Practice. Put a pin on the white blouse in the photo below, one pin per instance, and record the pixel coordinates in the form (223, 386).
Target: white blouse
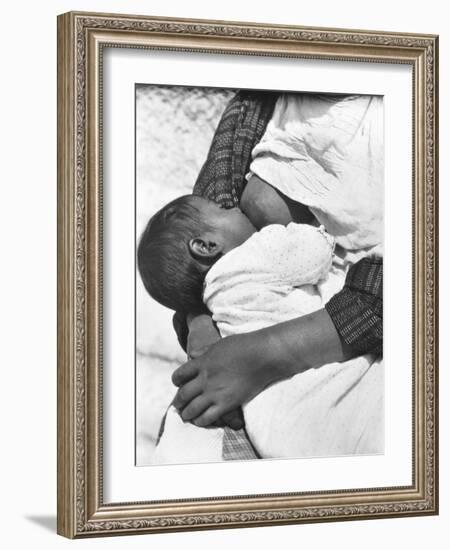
(327, 152)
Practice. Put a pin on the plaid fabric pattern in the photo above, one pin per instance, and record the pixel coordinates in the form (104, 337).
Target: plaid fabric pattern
(357, 311)
(222, 177)
(237, 446)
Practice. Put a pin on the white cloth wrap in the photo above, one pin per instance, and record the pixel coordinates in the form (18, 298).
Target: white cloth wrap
(278, 274)
(269, 279)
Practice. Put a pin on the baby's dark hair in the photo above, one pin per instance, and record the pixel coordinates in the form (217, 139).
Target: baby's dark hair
(169, 273)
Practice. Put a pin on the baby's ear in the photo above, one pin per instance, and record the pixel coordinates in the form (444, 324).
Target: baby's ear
(204, 249)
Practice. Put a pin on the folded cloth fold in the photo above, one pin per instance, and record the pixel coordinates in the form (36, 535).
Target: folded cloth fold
(326, 152)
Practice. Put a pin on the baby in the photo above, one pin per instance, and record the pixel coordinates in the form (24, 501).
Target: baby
(195, 255)
(183, 241)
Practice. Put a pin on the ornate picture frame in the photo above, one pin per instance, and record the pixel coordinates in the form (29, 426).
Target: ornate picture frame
(82, 38)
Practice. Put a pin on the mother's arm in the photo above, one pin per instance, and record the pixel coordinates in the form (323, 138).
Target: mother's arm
(235, 369)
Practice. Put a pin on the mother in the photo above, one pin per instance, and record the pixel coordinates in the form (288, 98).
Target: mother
(226, 373)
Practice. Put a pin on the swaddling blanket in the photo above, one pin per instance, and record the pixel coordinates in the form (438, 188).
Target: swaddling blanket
(269, 279)
(278, 274)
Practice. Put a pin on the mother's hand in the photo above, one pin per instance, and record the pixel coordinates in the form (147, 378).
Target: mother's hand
(203, 333)
(228, 374)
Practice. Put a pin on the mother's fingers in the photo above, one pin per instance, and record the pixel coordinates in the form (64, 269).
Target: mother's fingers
(184, 373)
(187, 393)
(234, 419)
(208, 417)
(195, 408)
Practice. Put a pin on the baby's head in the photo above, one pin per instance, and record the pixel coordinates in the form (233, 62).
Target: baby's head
(179, 245)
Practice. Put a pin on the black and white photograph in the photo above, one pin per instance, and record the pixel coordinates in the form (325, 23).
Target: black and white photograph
(247, 274)
(259, 275)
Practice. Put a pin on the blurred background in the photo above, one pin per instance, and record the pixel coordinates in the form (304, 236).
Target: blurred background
(174, 129)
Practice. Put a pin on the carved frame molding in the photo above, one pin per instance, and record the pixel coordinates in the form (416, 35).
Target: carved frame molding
(81, 38)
